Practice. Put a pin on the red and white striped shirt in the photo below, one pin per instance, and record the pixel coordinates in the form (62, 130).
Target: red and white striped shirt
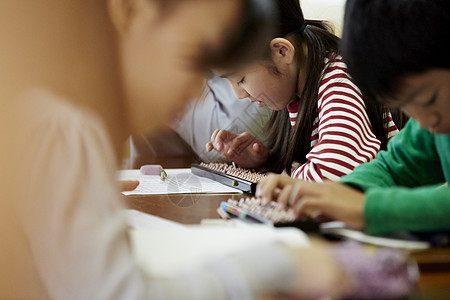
(342, 136)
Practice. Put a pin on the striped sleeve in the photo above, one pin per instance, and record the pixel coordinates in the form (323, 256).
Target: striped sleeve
(342, 136)
(392, 128)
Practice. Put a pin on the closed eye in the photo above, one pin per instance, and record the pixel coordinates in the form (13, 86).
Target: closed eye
(241, 81)
(431, 101)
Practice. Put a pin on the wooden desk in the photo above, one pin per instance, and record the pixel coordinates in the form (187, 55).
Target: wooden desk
(434, 282)
(186, 209)
(434, 264)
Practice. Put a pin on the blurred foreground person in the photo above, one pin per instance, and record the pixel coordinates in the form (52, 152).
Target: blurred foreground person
(77, 78)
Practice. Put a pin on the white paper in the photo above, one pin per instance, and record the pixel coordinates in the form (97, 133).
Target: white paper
(374, 240)
(178, 181)
(140, 220)
(167, 252)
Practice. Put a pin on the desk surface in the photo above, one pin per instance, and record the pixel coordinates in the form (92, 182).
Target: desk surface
(434, 264)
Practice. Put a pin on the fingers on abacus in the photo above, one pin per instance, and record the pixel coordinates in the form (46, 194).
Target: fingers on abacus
(284, 195)
(220, 139)
(256, 147)
(265, 188)
(209, 147)
(299, 208)
(307, 206)
(240, 143)
(247, 137)
(270, 196)
(259, 148)
(296, 194)
(225, 136)
(214, 134)
(280, 180)
(313, 188)
(261, 185)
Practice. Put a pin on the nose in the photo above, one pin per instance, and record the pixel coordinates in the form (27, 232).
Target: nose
(427, 119)
(430, 121)
(239, 92)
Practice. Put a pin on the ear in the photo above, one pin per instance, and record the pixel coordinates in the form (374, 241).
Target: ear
(123, 12)
(282, 51)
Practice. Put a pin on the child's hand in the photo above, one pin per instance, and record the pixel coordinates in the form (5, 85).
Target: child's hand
(320, 275)
(275, 188)
(243, 149)
(128, 185)
(329, 199)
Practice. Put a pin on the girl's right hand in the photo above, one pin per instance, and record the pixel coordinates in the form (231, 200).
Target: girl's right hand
(243, 149)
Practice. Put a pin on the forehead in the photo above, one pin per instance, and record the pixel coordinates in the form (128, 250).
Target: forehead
(433, 77)
(208, 20)
(242, 70)
(415, 86)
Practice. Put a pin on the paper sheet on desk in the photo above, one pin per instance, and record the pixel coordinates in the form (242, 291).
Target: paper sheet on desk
(167, 252)
(179, 181)
(141, 221)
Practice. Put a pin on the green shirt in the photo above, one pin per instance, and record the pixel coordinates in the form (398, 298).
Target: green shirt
(404, 185)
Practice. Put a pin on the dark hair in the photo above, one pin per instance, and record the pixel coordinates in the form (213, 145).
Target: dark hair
(242, 44)
(254, 27)
(383, 41)
(289, 145)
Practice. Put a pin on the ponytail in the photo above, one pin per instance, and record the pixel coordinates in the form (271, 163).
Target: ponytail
(289, 145)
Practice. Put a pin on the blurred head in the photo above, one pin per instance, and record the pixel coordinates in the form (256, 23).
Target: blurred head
(397, 53)
(167, 47)
(278, 77)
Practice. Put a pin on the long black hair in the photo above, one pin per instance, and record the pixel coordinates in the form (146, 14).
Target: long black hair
(288, 145)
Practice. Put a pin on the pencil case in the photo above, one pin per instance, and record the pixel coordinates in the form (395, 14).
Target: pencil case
(229, 175)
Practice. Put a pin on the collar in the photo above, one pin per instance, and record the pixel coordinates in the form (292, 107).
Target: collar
(293, 105)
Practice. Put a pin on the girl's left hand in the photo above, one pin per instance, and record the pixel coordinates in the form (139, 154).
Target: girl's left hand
(330, 199)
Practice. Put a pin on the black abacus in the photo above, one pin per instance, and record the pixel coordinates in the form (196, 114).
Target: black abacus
(251, 210)
(230, 175)
(271, 212)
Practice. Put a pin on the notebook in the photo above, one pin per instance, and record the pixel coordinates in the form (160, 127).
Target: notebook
(168, 252)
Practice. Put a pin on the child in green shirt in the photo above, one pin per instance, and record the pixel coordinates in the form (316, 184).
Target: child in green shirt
(396, 53)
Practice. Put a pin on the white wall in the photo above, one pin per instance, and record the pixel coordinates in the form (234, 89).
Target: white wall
(329, 10)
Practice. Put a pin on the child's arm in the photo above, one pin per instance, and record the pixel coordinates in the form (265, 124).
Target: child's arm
(392, 201)
(380, 210)
(402, 184)
(413, 209)
(411, 160)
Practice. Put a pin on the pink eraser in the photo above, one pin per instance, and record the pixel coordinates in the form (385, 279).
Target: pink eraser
(151, 169)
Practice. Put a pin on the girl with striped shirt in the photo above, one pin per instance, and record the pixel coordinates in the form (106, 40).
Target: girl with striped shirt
(321, 126)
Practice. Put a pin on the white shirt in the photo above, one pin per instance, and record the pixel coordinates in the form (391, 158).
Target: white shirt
(63, 232)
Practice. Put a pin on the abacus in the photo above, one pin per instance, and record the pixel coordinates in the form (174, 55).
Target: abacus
(230, 175)
(251, 210)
